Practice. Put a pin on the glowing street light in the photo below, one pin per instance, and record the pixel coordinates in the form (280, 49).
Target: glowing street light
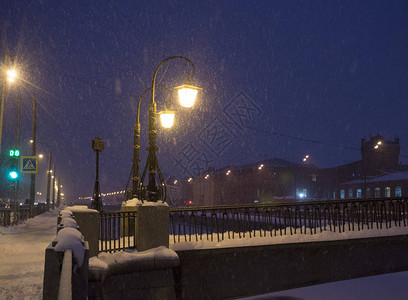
(11, 75)
(167, 118)
(378, 145)
(187, 94)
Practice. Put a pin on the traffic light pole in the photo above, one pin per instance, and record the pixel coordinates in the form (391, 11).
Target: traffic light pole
(33, 153)
(17, 141)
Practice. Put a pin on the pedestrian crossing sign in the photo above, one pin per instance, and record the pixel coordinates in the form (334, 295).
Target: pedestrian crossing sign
(29, 164)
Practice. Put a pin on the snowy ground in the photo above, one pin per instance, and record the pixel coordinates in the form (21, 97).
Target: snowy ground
(22, 250)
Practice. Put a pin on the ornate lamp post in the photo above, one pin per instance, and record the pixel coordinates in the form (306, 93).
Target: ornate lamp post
(187, 94)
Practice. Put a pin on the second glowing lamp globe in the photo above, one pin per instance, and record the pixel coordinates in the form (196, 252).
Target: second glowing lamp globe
(187, 95)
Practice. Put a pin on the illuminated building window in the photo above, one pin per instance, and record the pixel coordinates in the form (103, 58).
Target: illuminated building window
(314, 177)
(398, 191)
(350, 193)
(358, 194)
(377, 192)
(387, 192)
(342, 194)
(301, 193)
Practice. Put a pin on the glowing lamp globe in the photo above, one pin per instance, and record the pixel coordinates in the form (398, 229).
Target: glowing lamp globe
(187, 94)
(11, 75)
(167, 118)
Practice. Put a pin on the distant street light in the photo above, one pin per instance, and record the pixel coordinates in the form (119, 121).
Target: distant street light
(187, 95)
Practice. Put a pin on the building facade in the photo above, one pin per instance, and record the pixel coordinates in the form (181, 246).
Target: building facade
(377, 174)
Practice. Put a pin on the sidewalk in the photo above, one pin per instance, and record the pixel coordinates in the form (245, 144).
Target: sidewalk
(22, 256)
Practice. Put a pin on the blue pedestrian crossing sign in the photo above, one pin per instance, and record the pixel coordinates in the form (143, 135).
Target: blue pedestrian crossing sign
(29, 164)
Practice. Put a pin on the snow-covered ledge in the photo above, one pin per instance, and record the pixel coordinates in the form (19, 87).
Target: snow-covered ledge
(138, 275)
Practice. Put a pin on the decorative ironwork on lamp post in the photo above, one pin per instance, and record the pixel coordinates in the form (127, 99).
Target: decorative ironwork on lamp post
(187, 94)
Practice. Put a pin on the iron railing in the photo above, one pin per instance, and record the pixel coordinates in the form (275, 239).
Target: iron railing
(117, 230)
(5, 217)
(8, 216)
(229, 222)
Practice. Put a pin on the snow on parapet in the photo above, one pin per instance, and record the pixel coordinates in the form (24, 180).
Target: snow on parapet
(69, 222)
(66, 213)
(70, 238)
(104, 261)
(79, 208)
(132, 202)
(151, 203)
(306, 236)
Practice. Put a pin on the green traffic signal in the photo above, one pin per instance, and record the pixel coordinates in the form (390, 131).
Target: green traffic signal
(14, 153)
(13, 173)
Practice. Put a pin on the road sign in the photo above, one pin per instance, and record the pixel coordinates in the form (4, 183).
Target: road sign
(29, 164)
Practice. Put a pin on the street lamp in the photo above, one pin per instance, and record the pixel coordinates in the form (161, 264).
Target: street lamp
(7, 76)
(187, 95)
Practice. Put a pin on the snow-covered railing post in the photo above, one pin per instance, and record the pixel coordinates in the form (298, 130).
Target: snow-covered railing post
(88, 221)
(152, 223)
(68, 238)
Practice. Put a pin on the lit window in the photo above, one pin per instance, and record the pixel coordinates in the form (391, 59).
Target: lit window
(358, 194)
(387, 192)
(334, 195)
(342, 194)
(301, 193)
(350, 193)
(377, 192)
(398, 191)
(314, 178)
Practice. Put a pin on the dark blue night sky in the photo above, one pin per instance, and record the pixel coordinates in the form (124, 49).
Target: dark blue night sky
(279, 78)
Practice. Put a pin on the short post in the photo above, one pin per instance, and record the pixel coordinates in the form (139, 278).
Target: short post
(88, 222)
(152, 226)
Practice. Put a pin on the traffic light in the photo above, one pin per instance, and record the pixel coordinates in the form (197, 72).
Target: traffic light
(14, 153)
(13, 173)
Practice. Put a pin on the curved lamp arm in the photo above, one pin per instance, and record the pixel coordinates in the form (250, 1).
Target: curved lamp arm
(158, 67)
